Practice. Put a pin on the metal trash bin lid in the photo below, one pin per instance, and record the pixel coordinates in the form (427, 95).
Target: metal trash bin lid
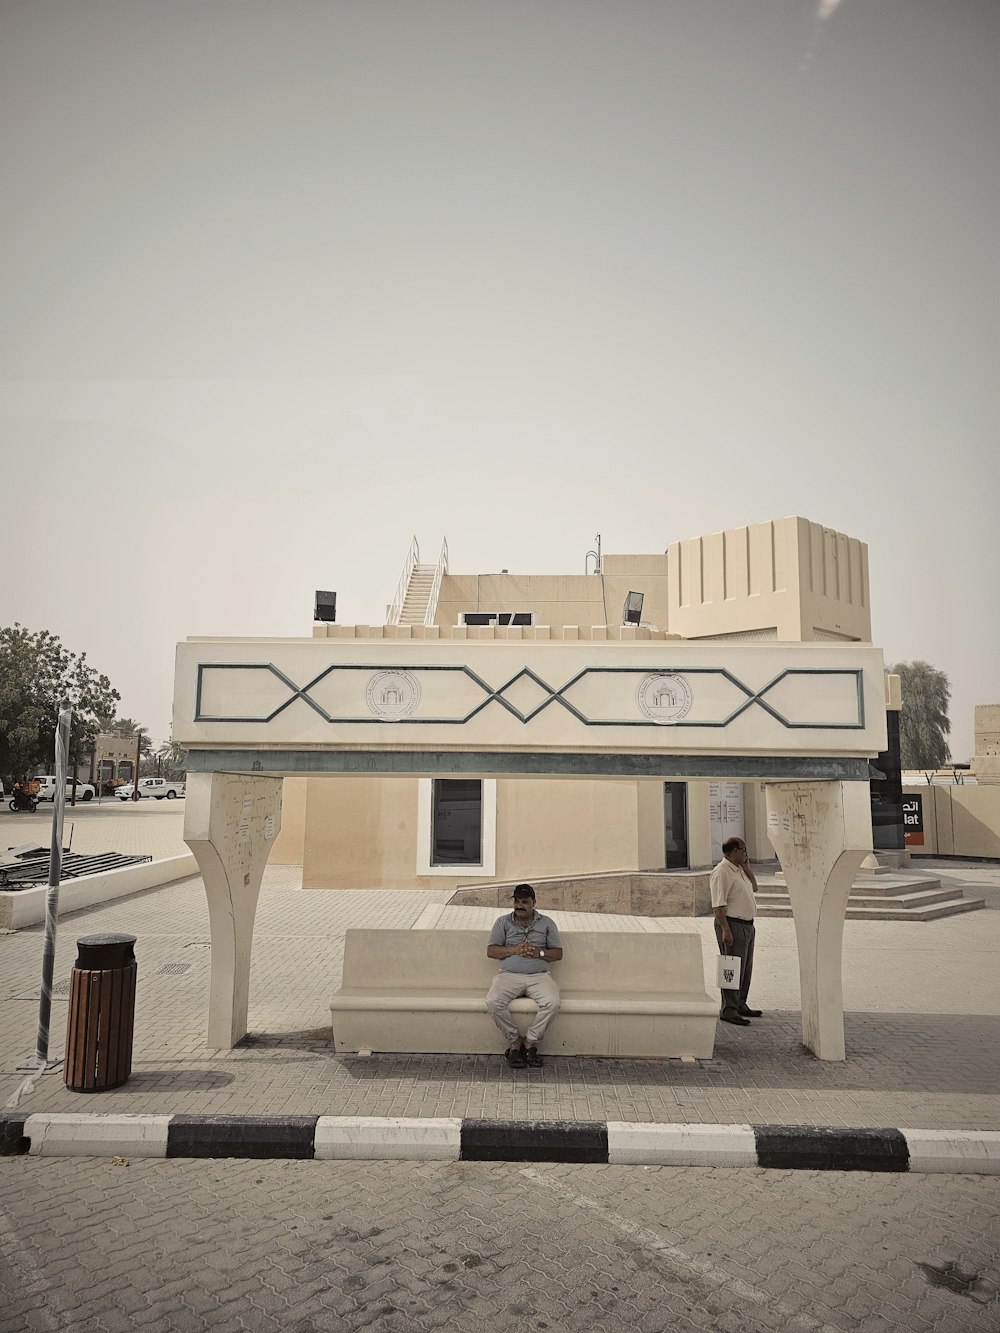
(98, 953)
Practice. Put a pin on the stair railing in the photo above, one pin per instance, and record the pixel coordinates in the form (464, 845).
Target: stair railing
(439, 573)
(409, 565)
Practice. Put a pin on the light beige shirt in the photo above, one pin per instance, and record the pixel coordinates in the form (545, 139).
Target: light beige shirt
(731, 890)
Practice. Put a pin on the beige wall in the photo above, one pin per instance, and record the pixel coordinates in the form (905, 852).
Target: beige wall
(650, 850)
(833, 584)
(362, 832)
(699, 828)
(549, 827)
(562, 599)
(788, 579)
(959, 821)
(755, 814)
(288, 846)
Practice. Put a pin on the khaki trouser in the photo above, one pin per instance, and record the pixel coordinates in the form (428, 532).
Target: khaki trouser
(509, 986)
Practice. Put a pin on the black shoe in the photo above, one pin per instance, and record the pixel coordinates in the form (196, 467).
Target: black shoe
(752, 1013)
(515, 1057)
(533, 1058)
(737, 1019)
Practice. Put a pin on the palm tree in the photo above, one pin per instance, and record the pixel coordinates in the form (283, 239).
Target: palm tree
(172, 759)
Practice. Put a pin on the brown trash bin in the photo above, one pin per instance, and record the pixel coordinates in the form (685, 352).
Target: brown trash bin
(101, 1013)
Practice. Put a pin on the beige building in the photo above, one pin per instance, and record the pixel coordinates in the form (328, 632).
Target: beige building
(113, 759)
(986, 761)
(787, 580)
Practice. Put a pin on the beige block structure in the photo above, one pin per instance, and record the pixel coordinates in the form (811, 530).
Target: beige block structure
(822, 831)
(553, 713)
(986, 762)
(622, 994)
(959, 820)
(230, 821)
(766, 626)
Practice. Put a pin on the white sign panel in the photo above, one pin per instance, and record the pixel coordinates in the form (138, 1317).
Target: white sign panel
(725, 814)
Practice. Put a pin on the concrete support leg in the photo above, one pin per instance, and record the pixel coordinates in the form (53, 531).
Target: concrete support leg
(822, 832)
(230, 822)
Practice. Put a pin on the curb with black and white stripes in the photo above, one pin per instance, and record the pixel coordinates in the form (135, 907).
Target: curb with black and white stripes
(361, 1138)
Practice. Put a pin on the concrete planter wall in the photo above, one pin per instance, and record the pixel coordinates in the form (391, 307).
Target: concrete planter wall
(26, 907)
(630, 893)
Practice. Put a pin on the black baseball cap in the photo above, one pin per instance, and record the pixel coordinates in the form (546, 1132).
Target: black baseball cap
(524, 891)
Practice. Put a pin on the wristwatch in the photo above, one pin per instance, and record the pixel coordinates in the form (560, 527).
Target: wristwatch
(541, 953)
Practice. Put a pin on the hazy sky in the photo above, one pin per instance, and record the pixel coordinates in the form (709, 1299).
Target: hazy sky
(283, 282)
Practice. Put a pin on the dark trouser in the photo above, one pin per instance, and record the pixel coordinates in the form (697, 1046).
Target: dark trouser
(734, 1001)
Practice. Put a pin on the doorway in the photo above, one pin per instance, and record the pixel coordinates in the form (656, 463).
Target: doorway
(675, 825)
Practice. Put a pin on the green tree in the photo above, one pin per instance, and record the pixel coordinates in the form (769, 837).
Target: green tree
(923, 718)
(36, 674)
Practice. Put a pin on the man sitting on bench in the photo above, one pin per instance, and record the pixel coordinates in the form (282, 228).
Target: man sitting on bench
(525, 942)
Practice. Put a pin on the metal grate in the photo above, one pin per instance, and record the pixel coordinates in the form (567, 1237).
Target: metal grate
(59, 988)
(173, 969)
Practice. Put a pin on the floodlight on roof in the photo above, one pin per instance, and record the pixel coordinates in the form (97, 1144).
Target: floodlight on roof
(632, 610)
(326, 606)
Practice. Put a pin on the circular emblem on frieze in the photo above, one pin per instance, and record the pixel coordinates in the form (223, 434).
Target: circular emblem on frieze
(392, 695)
(664, 697)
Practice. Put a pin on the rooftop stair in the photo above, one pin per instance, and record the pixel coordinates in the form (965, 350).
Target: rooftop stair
(418, 589)
(418, 595)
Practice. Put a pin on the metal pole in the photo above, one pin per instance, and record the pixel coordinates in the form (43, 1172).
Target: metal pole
(42, 1061)
(138, 755)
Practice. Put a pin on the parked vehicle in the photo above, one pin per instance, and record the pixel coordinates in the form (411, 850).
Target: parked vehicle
(47, 788)
(158, 788)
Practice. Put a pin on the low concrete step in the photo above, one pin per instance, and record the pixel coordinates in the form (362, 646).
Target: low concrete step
(890, 885)
(919, 898)
(886, 911)
(893, 894)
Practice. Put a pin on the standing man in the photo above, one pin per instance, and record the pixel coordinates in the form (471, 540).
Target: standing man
(733, 886)
(526, 943)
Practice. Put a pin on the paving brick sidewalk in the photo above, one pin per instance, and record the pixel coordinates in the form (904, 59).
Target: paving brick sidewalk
(922, 1002)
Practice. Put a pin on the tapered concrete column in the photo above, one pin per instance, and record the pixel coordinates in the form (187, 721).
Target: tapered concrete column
(822, 831)
(230, 822)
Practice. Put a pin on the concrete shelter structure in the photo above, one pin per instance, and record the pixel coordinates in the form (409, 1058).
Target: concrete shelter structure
(786, 580)
(444, 737)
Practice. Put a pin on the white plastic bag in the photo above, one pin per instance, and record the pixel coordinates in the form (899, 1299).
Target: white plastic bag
(727, 971)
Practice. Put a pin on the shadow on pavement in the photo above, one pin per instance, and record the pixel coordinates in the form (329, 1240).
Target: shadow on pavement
(885, 1053)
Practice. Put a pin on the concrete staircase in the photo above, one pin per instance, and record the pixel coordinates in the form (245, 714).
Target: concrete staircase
(884, 893)
(418, 595)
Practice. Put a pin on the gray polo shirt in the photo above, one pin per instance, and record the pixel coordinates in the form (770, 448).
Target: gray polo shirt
(508, 933)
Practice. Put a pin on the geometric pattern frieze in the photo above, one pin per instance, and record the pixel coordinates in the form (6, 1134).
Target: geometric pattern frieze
(667, 696)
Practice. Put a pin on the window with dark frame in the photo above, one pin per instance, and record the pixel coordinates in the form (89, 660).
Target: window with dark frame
(497, 618)
(457, 822)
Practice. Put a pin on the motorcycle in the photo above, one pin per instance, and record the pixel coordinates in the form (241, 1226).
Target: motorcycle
(23, 800)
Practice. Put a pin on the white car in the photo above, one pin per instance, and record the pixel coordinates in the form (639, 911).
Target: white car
(158, 788)
(47, 788)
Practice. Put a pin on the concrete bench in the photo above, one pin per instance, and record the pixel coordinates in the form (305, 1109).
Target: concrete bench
(623, 994)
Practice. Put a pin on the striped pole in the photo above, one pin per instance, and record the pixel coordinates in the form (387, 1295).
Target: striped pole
(52, 896)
